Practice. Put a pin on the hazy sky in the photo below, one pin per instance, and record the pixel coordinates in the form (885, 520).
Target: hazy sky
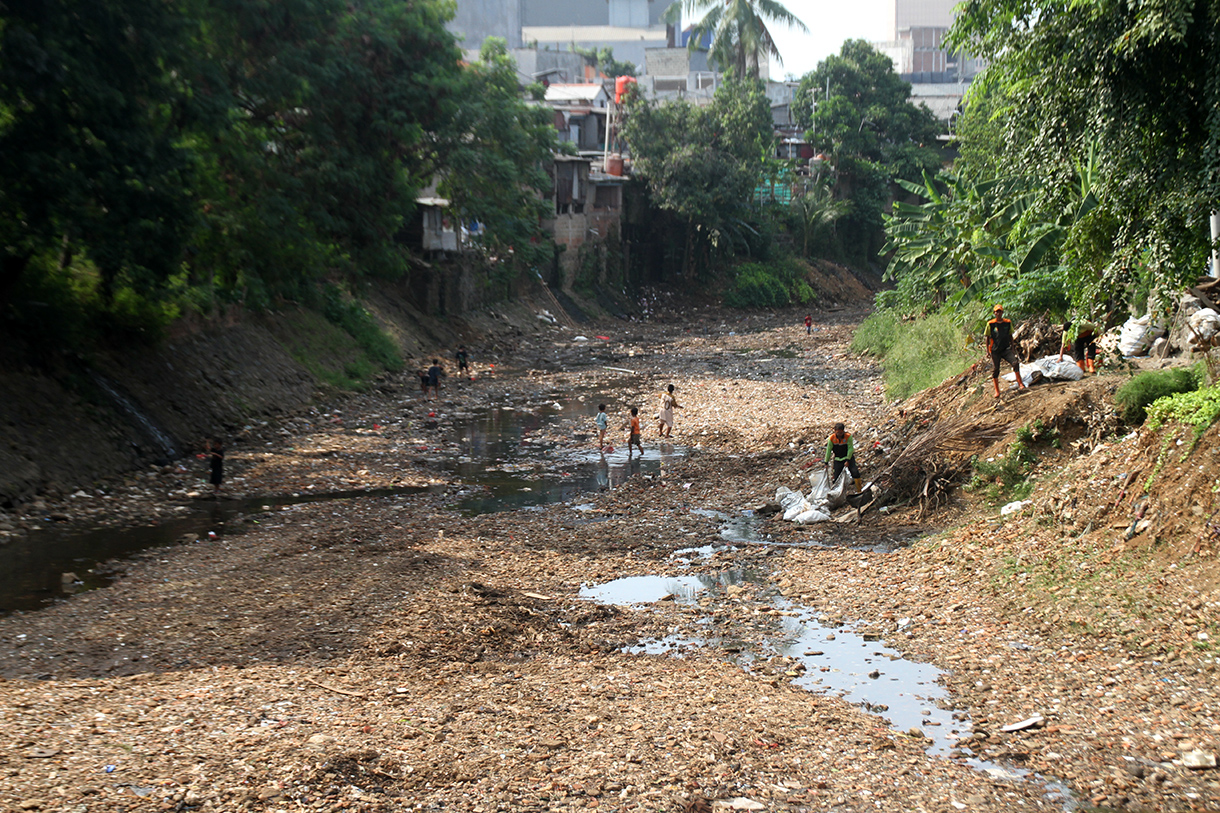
(830, 23)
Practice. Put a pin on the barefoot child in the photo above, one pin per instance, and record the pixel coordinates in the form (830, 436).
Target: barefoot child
(216, 463)
(603, 424)
(634, 432)
(665, 418)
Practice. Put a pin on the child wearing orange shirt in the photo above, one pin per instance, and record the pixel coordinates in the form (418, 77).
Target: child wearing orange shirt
(634, 435)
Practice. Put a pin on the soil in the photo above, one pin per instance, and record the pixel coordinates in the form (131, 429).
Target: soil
(390, 653)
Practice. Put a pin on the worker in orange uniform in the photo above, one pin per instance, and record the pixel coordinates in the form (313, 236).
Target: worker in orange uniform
(841, 449)
(999, 347)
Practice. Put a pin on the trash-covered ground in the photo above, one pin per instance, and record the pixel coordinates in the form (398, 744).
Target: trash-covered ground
(396, 652)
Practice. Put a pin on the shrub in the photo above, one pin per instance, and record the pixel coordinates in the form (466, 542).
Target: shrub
(757, 286)
(876, 334)
(1134, 397)
(1042, 290)
(1005, 477)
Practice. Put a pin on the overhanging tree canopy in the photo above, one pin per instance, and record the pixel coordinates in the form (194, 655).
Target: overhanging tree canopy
(1139, 80)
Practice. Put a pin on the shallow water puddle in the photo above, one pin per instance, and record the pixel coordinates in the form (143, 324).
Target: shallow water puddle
(837, 660)
(650, 589)
(869, 674)
(510, 463)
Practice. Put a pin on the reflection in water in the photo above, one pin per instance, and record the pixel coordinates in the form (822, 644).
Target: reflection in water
(512, 465)
(648, 589)
(504, 456)
(32, 569)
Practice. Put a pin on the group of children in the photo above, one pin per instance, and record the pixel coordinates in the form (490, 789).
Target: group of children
(665, 423)
(430, 378)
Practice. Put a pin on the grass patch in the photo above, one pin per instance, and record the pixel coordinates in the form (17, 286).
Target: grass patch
(770, 285)
(350, 315)
(329, 353)
(1134, 397)
(914, 355)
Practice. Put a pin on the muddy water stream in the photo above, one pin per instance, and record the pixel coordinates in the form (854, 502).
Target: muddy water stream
(506, 462)
(843, 660)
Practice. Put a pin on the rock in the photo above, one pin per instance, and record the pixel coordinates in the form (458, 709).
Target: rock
(1199, 759)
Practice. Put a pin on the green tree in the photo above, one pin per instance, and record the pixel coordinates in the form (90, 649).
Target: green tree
(603, 59)
(701, 164)
(872, 130)
(738, 30)
(93, 98)
(1139, 81)
(335, 109)
(816, 211)
(494, 161)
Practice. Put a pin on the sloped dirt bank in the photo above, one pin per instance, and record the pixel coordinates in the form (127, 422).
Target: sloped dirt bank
(391, 653)
(72, 423)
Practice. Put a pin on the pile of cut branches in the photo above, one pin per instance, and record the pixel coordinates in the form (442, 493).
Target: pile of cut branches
(933, 456)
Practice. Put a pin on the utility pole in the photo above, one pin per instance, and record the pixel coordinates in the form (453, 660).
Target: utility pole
(1215, 242)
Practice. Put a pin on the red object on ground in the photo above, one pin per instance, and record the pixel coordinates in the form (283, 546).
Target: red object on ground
(604, 338)
(431, 414)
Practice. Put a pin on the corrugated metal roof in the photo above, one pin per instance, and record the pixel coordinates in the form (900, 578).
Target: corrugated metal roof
(574, 93)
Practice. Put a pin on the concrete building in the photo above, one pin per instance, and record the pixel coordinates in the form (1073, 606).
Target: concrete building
(625, 26)
(552, 67)
(676, 73)
(476, 20)
(580, 114)
(938, 76)
(588, 209)
(918, 44)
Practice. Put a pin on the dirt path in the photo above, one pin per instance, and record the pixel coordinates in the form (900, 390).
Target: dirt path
(390, 653)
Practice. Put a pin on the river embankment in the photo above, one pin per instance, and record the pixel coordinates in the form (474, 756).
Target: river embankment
(448, 641)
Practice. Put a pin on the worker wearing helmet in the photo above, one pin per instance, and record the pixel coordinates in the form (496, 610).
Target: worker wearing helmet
(999, 347)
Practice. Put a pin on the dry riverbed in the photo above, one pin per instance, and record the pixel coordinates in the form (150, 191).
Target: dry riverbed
(401, 652)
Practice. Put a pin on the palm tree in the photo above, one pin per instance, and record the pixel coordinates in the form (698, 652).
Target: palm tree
(739, 33)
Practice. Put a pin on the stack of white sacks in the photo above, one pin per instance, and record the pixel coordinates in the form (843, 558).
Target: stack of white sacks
(824, 497)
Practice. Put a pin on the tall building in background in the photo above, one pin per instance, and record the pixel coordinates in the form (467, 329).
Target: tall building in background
(476, 20)
(627, 27)
(918, 45)
(938, 76)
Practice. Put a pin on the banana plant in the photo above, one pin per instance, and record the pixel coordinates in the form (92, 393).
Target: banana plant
(968, 236)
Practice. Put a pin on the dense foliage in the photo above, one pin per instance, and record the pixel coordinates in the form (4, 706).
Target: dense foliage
(1089, 159)
(158, 154)
(872, 132)
(701, 165)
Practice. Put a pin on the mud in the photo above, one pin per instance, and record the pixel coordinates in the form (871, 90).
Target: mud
(395, 652)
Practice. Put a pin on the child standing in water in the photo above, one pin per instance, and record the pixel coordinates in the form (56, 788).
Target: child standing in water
(216, 460)
(634, 432)
(603, 424)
